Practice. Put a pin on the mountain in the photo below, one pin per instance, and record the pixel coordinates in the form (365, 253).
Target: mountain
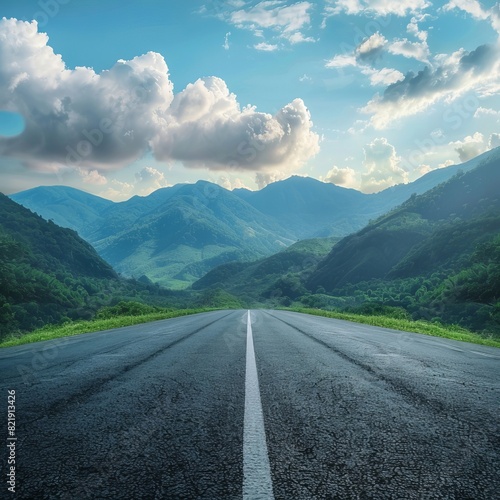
(311, 208)
(177, 234)
(173, 236)
(46, 272)
(255, 282)
(427, 232)
(435, 257)
(66, 206)
(191, 233)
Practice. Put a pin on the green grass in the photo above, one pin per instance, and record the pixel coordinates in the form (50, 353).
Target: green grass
(424, 327)
(50, 332)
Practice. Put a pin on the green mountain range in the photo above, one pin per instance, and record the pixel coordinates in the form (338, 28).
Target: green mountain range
(176, 235)
(435, 257)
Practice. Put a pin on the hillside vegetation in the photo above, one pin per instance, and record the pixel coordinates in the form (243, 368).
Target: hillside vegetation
(177, 234)
(48, 274)
(436, 258)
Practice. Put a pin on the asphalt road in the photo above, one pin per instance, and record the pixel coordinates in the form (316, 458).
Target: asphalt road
(176, 409)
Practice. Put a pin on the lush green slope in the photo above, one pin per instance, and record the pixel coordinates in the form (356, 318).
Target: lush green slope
(426, 233)
(67, 207)
(48, 274)
(436, 256)
(174, 236)
(177, 234)
(256, 282)
(191, 233)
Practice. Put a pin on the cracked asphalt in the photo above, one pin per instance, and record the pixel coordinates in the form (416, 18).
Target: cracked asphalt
(350, 411)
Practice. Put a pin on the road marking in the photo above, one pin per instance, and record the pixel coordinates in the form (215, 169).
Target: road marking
(486, 355)
(257, 482)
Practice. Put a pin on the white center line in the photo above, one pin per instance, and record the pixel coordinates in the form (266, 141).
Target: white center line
(257, 483)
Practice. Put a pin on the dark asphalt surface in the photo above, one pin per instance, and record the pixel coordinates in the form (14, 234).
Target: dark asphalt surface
(350, 411)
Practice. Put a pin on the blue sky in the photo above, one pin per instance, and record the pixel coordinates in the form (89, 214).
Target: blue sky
(121, 98)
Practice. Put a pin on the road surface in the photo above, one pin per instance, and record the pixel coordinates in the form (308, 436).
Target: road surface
(284, 406)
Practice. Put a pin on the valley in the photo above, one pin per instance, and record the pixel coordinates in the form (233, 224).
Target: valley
(424, 251)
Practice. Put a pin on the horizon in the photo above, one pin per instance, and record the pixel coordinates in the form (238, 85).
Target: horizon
(243, 187)
(268, 90)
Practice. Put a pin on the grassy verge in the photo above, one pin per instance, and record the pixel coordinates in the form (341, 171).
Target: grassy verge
(425, 327)
(49, 332)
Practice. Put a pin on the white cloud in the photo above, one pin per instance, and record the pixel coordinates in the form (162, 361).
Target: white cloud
(266, 47)
(376, 7)
(452, 77)
(284, 21)
(371, 47)
(118, 191)
(92, 177)
(476, 10)
(494, 141)
(273, 14)
(472, 7)
(345, 177)
(78, 117)
(475, 144)
(341, 61)
(480, 111)
(145, 182)
(206, 127)
(382, 167)
(470, 147)
(298, 37)
(148, 180)
(226, 41)
(103, 121)
(363, 56)
(416, 50)
(385, 76)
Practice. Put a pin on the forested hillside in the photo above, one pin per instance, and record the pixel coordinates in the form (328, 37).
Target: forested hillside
(49, 274)
(177, 234)
(436, 257)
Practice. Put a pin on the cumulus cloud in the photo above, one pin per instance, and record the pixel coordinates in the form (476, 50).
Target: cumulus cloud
(149, 179)
(207, 128)
(455, 75)
(385, 76)
(342, 61)
(472, 7)
(416, 50)
(494, 141)
(382, 167)
(473, 145)
(477, 11)
(145, 182)
(481, 111)
(77, 116)
(92, 177)
(470, 147)
(345, 177)
(371, 48)
(103, 121)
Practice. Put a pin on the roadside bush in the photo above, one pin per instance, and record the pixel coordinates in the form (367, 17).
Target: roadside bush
(126, 309)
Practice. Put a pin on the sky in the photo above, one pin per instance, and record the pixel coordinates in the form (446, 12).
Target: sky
(123, 98)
